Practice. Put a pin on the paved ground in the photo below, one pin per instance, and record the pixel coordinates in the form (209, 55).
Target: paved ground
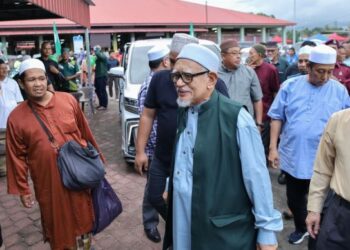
(21, 227)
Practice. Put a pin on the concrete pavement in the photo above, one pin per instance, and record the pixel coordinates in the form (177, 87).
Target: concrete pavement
(21, 227)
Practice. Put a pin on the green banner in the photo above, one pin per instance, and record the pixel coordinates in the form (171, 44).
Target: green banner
(191, 29)
(57, 41)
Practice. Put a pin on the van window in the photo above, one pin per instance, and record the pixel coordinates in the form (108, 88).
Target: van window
(139, 69)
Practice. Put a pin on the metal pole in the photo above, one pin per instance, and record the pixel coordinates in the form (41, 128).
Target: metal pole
(88, 63)
(295, 20)
(206, 13)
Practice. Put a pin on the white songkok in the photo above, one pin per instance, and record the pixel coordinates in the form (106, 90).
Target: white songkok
(180, 40)
(201, 55)
(157, 52)
(306, 50)
(31, 64)
(323, 54)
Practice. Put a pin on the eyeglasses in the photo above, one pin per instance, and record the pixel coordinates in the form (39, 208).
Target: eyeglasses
(303, 60)
(270, 50)
(186, 77)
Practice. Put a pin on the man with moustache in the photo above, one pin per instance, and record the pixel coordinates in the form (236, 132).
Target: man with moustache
(65, 214)
(161, 104)
(218, 160)
(241, 81)
(299, 114)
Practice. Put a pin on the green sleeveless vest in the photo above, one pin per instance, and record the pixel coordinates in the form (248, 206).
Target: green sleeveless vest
(221, 209)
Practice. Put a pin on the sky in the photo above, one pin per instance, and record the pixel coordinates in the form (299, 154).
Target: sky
(309, 13)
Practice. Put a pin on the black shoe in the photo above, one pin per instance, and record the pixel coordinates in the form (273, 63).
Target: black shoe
(153, 234)
(282, 178)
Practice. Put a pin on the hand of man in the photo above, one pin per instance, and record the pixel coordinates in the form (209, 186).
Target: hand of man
(266, 247)
(313, 223)
(141, 162)
(274, 158)
(27, 200)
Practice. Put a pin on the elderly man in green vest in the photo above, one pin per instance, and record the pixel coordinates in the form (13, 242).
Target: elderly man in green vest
(219, 191)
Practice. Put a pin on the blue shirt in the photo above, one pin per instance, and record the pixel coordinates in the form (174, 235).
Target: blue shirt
(255, 177)
(151, 143)
(304, 110)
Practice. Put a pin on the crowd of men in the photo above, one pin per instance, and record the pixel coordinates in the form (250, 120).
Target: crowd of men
(208, 131)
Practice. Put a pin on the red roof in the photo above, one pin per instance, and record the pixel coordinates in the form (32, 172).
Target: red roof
(335, 36)
(158, 12)
(170, 12)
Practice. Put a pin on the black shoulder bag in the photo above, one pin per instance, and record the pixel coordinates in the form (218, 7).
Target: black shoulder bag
(80, 167)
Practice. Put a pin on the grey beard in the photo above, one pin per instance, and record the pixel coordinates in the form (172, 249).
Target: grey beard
(183, 104)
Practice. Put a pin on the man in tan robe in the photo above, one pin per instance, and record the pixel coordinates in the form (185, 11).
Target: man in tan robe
(65, 214)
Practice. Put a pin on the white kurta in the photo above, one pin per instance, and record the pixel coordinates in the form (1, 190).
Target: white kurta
(10, 95)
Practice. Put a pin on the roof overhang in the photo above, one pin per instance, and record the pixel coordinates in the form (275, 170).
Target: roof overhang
(77, 11)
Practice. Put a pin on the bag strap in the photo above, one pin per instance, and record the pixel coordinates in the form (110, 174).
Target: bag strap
(47, 131)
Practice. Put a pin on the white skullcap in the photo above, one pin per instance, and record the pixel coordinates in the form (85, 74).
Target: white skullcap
(201, 55)
(157, 52)
(323, 54)
(305, 50)
(180, 40)
(31, 64)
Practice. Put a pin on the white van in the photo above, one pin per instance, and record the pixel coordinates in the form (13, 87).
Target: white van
(133, 72)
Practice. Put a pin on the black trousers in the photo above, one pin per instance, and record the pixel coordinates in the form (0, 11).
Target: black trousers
(335, 227)
(100, 90)
(297, 191)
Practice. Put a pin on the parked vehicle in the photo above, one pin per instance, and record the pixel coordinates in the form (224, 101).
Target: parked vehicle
(132, 74)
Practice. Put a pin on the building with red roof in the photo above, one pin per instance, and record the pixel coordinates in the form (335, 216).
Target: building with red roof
(116, 22)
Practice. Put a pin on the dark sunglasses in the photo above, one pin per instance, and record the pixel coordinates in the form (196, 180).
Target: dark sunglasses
(186, 77)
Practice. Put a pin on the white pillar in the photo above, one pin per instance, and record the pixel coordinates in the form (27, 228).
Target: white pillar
(242, 34)
(263, 34)
(218, 35)
(40, 40)
(132, 37)
(114, 42)
(3, 46)
(284, 36)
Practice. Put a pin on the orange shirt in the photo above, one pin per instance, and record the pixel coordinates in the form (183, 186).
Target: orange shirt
(65, 214)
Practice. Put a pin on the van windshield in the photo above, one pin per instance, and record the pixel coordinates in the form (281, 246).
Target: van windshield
(139, 68)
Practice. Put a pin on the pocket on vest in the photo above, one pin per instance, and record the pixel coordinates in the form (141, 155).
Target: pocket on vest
(225, 220)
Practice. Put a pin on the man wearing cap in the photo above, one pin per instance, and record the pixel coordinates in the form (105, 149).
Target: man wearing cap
(218, 160)
(161, 104)
(241, 81)
(299, 114)
(274, 58)
(158, 59)
(341, 72)
(293, 68)
(101, 70)
(331, 172)
(269, 82)
(65, 214)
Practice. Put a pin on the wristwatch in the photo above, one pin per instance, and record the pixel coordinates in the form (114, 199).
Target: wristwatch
(261, 125)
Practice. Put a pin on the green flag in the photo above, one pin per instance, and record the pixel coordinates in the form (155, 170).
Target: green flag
(57, 41)
(191, 29)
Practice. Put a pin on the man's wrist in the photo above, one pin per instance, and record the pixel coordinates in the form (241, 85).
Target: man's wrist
(259, 124)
